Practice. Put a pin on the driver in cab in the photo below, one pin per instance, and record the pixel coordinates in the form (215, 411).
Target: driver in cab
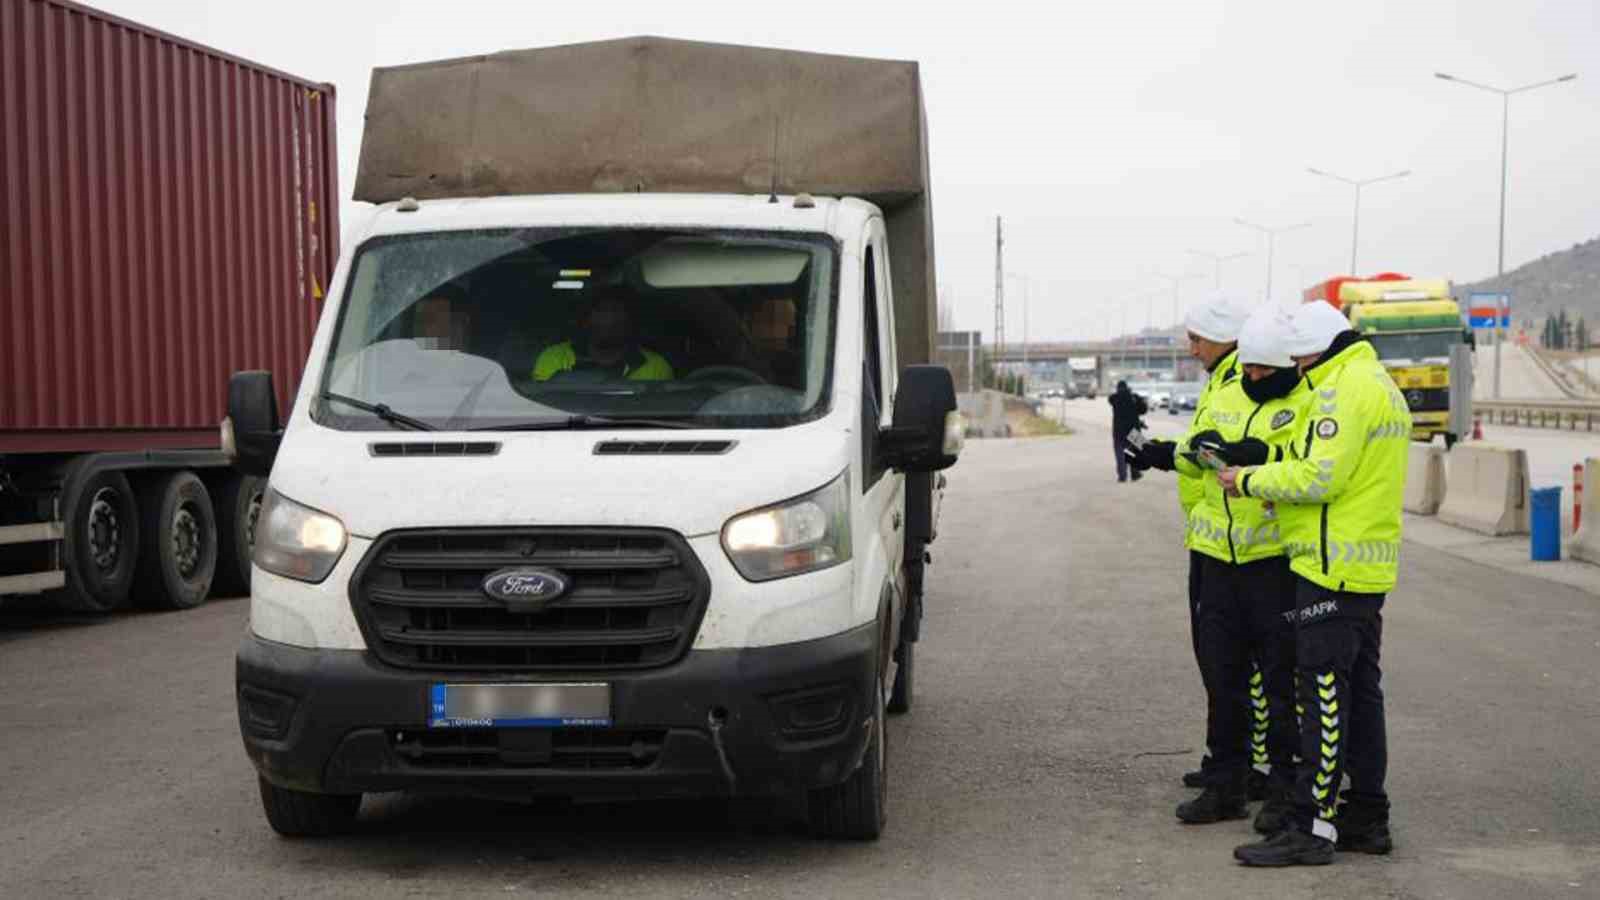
(605, 345)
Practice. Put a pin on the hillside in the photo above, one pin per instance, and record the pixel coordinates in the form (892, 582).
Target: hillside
(1567, 279)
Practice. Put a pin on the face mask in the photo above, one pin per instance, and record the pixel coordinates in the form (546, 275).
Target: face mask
(1273, 387)
(429, 343)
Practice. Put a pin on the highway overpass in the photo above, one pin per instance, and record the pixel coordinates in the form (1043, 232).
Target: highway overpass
(1112, 354)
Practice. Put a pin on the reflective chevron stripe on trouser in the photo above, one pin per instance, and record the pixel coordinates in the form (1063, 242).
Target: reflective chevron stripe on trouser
(1325, 786)
(1258, 716)
(1299, 708)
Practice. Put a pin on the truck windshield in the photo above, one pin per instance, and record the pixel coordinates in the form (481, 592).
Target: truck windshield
(1415, 346)
(520, 329)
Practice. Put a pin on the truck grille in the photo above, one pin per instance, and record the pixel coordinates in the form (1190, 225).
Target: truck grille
(1427, 399)
(635, 600)
(558, 748)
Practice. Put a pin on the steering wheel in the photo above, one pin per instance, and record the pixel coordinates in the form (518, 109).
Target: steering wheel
(725, 373)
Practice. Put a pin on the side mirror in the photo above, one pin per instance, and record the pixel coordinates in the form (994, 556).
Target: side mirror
(250, 433)
(927, 432)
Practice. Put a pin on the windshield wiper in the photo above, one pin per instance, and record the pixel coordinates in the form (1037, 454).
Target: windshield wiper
(381, 411)
(580, 421)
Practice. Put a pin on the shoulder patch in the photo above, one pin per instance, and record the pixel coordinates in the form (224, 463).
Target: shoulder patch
(1283, 417)
(1327, 428)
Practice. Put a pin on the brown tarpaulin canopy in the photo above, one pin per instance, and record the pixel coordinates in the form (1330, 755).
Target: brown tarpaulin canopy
(651, 114)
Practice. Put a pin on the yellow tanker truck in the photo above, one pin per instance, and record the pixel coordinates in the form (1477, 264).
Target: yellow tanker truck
(1412, 324)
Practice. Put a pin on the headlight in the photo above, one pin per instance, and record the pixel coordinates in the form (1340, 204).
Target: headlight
(296, 541)
(801, 535)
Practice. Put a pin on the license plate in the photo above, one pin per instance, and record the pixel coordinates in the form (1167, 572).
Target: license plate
(519, 705)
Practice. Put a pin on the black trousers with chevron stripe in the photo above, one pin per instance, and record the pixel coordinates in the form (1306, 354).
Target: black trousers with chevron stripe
(1245, 645)
(1338, 639)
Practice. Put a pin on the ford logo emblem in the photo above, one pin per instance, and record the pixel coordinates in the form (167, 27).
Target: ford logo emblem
(526, 590)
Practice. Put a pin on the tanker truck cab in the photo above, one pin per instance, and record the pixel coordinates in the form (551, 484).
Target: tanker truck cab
(601, 496)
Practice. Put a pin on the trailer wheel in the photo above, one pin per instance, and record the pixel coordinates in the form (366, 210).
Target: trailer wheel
(102, 542)
(179, 556)
(238, 504)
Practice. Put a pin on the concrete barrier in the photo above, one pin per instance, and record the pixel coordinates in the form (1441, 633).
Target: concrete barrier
(1424, 479)
(985, 412)
(1488, 489)
(1585, 543)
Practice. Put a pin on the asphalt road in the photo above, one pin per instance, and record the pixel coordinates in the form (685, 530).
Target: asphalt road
(1058, 704)
(1520, 377)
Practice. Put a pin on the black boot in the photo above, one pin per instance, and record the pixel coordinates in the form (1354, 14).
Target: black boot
(1290, 847)
(1215, 804)
(1277, 812)
(1200, 777)
(1256, 786)
(1363, 831)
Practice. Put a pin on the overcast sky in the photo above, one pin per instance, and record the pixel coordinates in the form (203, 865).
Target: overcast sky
(1113, 137)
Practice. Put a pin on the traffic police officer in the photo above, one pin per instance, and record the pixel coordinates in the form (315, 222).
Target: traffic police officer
(1245, 584)
(1339, 504)
(1213, 329)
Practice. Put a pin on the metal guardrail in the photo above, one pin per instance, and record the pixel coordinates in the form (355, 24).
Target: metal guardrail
(1568, 415)
(1573, 383)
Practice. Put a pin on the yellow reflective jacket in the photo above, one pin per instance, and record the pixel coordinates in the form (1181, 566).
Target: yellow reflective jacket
(558, 358)
(1241, 529)
(1224, 372)
(1340, 501)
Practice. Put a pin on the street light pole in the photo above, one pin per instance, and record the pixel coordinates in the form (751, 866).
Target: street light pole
(1271, 234)
(1177, 281)
(1355, 230)
(1505, 128)
(1219, 259)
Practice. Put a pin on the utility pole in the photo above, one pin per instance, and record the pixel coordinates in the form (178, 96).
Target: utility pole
(972, 362)
(999, 294)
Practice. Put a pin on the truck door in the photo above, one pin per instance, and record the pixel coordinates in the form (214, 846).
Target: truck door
(882, 490)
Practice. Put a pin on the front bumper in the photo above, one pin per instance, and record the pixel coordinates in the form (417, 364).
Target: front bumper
(1427, 424)
(791, 717)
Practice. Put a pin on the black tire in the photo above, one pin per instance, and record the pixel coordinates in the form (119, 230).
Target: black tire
(905, 679)
(237, 499)
(856, 809)
(179, 555)
(102, 542)
(299, 814)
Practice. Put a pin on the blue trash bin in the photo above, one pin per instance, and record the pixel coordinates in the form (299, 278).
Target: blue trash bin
(1544, 520)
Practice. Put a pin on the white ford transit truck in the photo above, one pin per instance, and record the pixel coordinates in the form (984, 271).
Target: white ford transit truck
(612, 470)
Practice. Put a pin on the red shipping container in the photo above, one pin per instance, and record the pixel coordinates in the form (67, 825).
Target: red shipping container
(170, 217)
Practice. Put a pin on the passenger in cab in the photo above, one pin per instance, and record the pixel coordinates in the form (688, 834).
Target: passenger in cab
(605, 343)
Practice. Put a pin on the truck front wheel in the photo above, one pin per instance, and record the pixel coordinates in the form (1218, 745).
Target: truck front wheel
(856, 809)
(905, 678)
(299, 814)
(238, 505)
(102, 542)
(180, 542)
